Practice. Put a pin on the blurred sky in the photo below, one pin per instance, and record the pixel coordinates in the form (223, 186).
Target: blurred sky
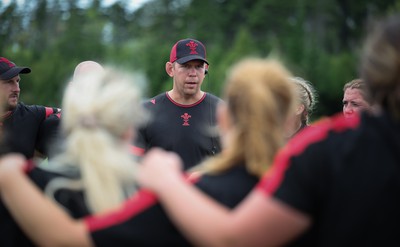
(133, 4)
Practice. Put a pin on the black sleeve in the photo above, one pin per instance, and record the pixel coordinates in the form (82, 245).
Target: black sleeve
(306, 179)
(229, 188)
(47, 134)
(130, 227)
(11, 233)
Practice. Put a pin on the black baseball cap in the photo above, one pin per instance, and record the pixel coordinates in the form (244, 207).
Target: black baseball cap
(186, 50)
(9, 70)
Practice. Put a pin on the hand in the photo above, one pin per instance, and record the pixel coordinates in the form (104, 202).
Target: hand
(11, 163)
(158, 168)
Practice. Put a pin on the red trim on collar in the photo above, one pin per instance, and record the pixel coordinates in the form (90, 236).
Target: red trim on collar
(6, 115)
(181, 105)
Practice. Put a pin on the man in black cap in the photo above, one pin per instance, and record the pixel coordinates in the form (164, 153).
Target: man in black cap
(21, 123)
(183, 119)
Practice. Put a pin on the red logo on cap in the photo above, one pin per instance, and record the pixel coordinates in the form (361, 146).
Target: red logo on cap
(5, 60)
(192, 46)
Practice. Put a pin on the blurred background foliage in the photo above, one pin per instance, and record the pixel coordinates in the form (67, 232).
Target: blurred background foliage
(318, 40)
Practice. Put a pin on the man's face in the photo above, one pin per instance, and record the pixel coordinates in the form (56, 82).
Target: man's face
(188, 77)
(353, 102)
(10, 90)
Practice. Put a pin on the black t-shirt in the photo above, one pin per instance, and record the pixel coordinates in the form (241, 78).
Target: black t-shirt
(184, 129)
(344, 174)
(143, 222)
(21, 129)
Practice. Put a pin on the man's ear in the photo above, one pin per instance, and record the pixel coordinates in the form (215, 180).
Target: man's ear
(169, 68)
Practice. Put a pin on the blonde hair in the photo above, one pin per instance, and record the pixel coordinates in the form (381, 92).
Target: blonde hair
(98, 111)
(259, 98)
(380, 65)
(307, 96)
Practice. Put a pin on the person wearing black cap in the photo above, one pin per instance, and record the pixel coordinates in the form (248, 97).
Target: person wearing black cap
(183, 119)
(21, 123)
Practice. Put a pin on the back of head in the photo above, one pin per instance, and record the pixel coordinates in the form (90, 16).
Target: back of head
(98, 112)
(260, 97)
(103, 97)
(380, 65)
(307, 96)
(86, 67)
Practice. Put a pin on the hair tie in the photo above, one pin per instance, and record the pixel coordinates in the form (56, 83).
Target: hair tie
(88, 121)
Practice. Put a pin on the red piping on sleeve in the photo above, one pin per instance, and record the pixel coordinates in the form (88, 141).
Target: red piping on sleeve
(139, 202)
(137, 151)
(29, 166)
(49, 111)
(319, 131)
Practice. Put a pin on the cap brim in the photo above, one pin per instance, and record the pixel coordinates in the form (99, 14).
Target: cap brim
(14, 72)
(190, 58)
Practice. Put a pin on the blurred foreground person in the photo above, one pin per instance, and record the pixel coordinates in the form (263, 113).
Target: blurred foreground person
(336, 184)
(86, 67)
(50, 128)
(95, 171)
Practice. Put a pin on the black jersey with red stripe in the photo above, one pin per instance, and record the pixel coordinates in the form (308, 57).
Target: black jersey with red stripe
(140, 221)
(344, 174)
(21, 128)
(184, 129)
(143, 222)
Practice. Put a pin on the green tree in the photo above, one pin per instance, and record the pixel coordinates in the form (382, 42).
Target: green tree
(319, 40)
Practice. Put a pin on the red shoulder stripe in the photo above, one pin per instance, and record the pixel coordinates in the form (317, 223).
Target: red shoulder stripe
(317, 132)
(136, 204)
(137, 151)
(29, 166)
(49, 111)
(139, 202)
